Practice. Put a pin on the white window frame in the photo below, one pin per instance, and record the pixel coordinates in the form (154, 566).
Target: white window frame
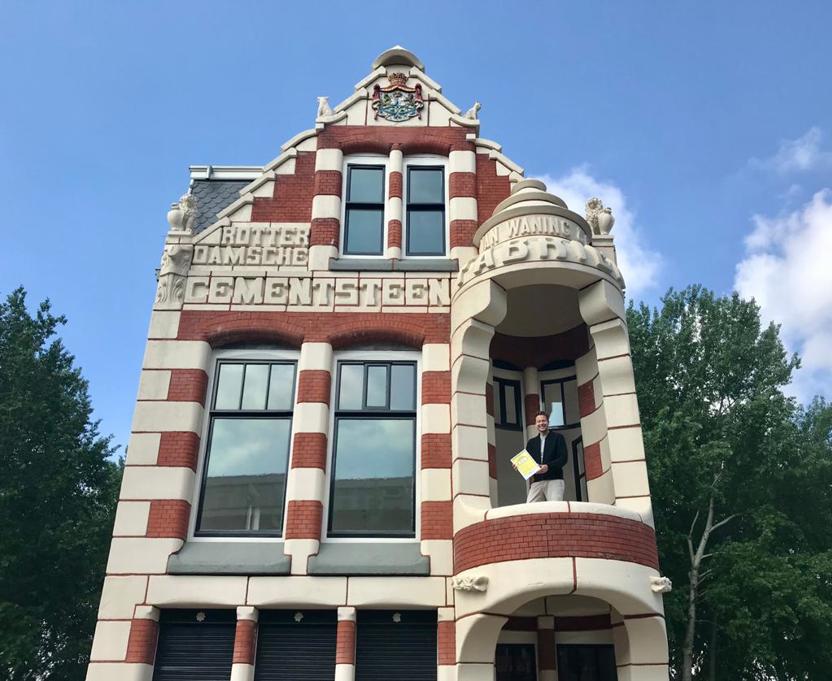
(426, 160)
(365, 159)
(255, 353)
(408, 355)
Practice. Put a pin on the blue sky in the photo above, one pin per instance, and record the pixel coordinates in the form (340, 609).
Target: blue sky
(706, 126)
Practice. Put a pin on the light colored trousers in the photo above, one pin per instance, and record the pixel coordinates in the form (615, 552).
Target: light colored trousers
(546, 490)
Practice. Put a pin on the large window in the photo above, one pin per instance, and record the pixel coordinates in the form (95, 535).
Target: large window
(373, 490)
(195, 644)
(425, 210)
(364, 213)
(244, 476)
(507, 404)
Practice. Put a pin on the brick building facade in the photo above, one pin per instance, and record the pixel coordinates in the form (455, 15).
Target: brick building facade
(346, 347)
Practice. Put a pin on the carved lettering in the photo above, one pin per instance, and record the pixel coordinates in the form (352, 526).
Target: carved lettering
(197, 290)
(221, 289)
(300, 291)
(439, 292)
(346, 292)
(392, 293)
(247, 291)
(277, 291)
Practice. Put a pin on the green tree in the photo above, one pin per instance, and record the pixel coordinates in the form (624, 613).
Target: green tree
(58, 488)
(741, 478)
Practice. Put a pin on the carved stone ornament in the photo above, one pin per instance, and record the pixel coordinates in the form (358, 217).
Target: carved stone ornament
(397, 102)
(479, 583)
(661, 585)
(182, 214)
(473, 112)
(176, 259)
(599, 218)
(324, 109)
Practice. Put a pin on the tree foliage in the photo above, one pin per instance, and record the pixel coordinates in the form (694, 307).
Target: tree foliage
(717, 425)
(58, 488)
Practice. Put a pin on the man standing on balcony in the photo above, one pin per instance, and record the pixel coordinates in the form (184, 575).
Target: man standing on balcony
(549, 450)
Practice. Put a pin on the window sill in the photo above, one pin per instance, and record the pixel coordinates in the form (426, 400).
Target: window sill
(229, 558)
(385, 265)
(369, 558)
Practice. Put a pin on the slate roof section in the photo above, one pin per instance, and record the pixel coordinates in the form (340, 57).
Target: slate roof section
(211, 197)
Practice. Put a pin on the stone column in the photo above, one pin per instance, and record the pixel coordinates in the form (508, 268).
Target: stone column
(641, 648)
(476, 644)
(531, 398)
(345, 645)
(395, 210)
(463, 216)
(546, 658)
(446, 644)
(245, 645)
(325, 230)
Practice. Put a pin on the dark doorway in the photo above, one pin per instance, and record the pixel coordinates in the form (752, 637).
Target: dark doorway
(586, 663)
(515, 662)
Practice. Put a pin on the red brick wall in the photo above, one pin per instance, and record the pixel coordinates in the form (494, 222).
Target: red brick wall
(327, 182)
(245, 641)
(462, 232)
(545, 535)
(436, 450)
(325, 232)
(353, 139)
(394, 234)
(187, 385)
(437, 520)
(446, 642)
(540, 351)
(309, 450)
(303, 520)
(141, 643)
(462, 184)
(592, 461)
(178, 449)
(586, 398)
(436, 387)
(583, 623)
(546, 649)
(491, 188)
(396, 183)
(168, 518)
(314, 386)
(345, 642)
(292, 198)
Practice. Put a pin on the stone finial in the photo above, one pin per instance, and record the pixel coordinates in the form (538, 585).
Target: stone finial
(182, 214)
(472, 113)
(661, 585)
(600, 218)
(324, 109)
(479, 583)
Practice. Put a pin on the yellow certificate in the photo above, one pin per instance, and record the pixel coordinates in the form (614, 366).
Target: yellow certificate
(525, 464)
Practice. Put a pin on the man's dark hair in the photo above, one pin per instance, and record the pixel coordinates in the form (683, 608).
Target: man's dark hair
(541, 413)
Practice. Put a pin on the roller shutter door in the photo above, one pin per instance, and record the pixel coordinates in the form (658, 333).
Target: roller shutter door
(195, 645)
(396, 644)
(296, 645)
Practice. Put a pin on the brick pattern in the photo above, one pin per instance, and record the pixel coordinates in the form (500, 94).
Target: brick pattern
(462, 232)
(492, 462)
(178, 449)
(462, 184)
(188, 385)
(309, 450)
(396, 183)
(437, 520)
(592, 461)
(436, 450)
(345, 642)
(325, 232)
(303, 519)
(394, 234)
(583, 623)
(491, 188)
(341, 329)
(586, 399)
(546, 649)
(353, 139)
(446, 642)
(531, 404)
(547, 535)
(314, 386)
(292, 198)
(141, 643)
(328, 182)
(436, 387)
(518, 623)
(538, 352)
(168, 518)
(245, 640)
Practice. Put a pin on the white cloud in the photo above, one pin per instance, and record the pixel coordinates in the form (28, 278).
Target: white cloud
(786, 270)
(799, 155)
(639, 265)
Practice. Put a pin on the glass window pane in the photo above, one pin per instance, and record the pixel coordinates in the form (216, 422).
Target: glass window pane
(376, 386)
(425, 186)
(281, 383)
(403, 386)
(364, 231)
(351, 392)
(425, 232)
(254, 389)
(373, 484)
(553, 404)
(228, 386)
(511, 404)
(366, 185)
(246, 477)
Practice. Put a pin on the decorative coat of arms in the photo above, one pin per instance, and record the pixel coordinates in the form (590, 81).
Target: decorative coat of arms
(397, 102)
